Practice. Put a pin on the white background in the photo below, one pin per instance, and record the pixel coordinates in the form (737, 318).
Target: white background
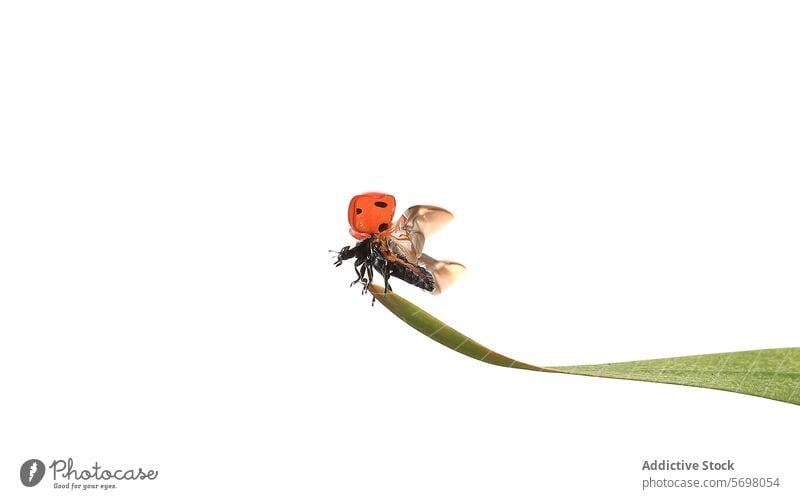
(625, 183)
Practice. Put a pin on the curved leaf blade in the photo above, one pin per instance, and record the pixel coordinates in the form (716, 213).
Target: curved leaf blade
(772, 373)
(440, 332)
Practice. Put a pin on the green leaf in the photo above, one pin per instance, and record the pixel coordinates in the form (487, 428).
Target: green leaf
(772, 374)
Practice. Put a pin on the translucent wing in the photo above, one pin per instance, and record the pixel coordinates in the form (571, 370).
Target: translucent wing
(414, 225)
(444, 272)
(408, 239)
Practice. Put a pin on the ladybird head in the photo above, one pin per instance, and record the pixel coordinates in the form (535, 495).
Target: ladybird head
(370, 213)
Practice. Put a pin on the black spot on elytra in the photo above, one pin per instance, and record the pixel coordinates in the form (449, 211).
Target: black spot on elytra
(382, 227)
(358, 211)
(381, 204)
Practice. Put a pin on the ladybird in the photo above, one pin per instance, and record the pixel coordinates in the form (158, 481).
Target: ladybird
(394, 249)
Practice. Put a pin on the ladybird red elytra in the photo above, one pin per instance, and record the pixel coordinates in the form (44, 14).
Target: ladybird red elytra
(370, 213)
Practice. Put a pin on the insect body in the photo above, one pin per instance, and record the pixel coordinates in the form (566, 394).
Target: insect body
(395, 249)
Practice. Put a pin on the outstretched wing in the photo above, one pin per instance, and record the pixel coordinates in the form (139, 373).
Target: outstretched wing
(408, 239)
(444, 272)
(417, 223)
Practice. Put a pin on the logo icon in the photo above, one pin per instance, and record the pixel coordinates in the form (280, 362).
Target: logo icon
(31, 472)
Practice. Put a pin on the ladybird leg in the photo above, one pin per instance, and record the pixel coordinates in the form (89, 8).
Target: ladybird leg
(360, 265)
(343, 254)
(360, 274)
(386, 286)
(369, 279)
